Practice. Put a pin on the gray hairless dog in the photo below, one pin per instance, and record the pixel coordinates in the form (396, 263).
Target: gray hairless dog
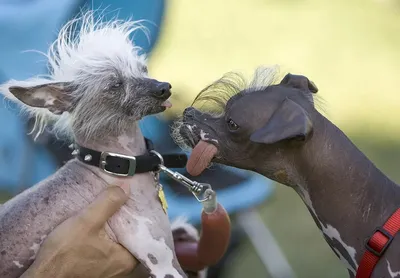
(97, 91)
(274, 129)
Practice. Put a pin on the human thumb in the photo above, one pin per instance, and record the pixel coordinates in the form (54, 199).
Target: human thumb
(104, 206)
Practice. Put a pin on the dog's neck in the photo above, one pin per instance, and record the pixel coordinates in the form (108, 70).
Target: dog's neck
(130, 143)
(345, 193)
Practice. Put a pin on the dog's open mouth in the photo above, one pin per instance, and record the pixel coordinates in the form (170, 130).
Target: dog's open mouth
(201, 157)
(202, 139)
(167, 104)
(162, 106)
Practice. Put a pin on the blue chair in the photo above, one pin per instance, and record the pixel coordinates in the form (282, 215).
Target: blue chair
(26, 25)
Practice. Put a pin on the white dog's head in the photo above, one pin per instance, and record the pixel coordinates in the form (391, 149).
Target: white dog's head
(98, 82)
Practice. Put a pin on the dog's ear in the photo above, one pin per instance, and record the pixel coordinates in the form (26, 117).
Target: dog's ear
(300, 82)
(289, 121)
(53, 96)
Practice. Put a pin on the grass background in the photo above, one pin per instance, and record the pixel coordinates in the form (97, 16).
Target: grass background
(350, 49)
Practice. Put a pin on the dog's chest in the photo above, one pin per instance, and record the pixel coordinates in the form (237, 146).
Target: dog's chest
(143, 227)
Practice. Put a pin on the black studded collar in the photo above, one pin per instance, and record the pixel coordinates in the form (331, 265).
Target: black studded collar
(125, 165)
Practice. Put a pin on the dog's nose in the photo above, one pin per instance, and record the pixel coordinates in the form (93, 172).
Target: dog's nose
(162, 90)
(188, 112)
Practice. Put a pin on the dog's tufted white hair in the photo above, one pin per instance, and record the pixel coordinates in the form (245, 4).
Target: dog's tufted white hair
(88, 55)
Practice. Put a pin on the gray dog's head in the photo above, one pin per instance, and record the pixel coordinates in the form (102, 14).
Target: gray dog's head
(257, 121)
(98, 84)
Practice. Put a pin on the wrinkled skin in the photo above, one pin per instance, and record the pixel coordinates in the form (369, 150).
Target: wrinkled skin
(277, 132)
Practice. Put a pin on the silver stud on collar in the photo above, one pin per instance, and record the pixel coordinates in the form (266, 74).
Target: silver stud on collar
(75, 152)
(72, 146)
(88, 157)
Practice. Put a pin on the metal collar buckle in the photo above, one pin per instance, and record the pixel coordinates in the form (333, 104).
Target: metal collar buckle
(131, 159)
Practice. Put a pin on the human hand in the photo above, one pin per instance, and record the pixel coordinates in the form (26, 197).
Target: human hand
(79, 247)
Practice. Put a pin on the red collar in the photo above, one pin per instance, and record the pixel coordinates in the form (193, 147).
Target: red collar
(377, 244)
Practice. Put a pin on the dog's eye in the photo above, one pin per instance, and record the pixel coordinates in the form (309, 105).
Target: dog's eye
(232, 125)
(116, 85)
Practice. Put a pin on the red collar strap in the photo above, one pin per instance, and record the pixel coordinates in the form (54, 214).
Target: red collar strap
(377, 244)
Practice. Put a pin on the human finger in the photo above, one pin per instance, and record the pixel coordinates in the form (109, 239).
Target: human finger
(103, 207)
(123, 259)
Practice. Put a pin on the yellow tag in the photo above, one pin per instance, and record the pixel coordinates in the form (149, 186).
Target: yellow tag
(162, 198)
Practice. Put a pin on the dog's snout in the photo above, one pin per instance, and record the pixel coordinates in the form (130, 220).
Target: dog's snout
(189, 112)
(162, 90)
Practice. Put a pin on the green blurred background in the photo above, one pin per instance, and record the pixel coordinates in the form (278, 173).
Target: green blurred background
(350, 49)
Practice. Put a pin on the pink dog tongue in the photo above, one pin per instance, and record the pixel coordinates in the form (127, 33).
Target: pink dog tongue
(200, 158)
(167, 104)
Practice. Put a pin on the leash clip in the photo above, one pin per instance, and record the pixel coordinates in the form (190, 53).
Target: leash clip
(196, 188)
(201, 191)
